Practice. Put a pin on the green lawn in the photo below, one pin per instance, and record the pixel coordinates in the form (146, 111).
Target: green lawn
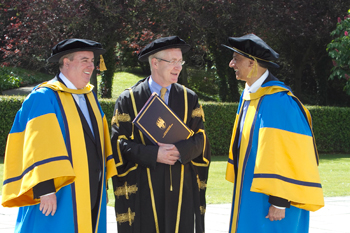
(122, 80)
(334, 172)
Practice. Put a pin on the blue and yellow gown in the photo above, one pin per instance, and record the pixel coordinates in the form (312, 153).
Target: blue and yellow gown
(47, 142)
(273, 152)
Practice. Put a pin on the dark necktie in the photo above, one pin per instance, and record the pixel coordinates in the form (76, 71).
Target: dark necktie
(85, 111)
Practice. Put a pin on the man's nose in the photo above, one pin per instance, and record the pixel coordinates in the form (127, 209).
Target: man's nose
(231, 64)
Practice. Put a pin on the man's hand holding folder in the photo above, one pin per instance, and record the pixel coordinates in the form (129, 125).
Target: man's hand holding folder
(167, 154)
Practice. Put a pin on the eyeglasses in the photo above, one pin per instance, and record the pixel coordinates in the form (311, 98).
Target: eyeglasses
(172, 62)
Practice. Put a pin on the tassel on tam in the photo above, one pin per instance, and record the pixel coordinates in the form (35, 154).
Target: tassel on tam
(254, 71)
(102, 64)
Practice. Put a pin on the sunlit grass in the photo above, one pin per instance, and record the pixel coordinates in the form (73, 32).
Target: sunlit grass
(334, 172)
(219, 190)
(121, 81)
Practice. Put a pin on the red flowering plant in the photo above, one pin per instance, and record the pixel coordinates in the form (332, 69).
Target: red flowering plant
(339, 51)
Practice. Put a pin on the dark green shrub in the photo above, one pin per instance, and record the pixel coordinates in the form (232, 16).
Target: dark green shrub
(219, 119)
(331, 124)
(8, 79)
(331, 128)
(13, 77)
(108, 107)
(8, 109)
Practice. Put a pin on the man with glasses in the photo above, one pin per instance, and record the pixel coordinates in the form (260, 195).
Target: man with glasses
(160, 188)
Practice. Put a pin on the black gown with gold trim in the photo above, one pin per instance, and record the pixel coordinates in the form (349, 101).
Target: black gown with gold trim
(155, 197)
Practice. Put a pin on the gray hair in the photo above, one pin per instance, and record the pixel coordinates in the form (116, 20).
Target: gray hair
(70, 56)
(155, 55)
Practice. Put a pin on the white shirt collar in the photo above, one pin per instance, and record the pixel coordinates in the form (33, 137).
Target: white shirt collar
(257, 84)
(66, 81)
(70, 85)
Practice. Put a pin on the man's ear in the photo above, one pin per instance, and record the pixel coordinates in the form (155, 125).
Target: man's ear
(251, 63)
(66, 61)
(154, 62)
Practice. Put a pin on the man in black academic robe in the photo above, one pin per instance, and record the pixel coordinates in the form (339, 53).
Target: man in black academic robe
(160, 188)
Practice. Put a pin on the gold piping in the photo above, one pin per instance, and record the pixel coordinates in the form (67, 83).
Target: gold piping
(180, 199)
(204, 159)
(250, 55)
(148, 170)
(171, 179)
(121, 158)
(186, 104)
(152, 199)
(135, 112)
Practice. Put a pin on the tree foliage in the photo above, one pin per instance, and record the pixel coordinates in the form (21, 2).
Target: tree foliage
(33, 27)
(299, 30)
(339, 51)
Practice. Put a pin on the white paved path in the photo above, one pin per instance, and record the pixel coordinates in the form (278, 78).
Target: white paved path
(333, 218)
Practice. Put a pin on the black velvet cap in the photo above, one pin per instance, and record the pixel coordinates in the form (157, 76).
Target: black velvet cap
(162, 44)
(253, 46)
(75, 45)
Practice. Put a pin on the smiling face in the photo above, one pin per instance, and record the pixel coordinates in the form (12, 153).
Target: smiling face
(79, 70)
(241, 65)
(163, 72)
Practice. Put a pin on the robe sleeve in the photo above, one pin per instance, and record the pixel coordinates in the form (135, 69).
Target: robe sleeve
(128, 150)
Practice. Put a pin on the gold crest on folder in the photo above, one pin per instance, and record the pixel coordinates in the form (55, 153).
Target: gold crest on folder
(161, 123)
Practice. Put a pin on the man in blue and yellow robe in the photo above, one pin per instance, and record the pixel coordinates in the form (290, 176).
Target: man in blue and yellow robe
(273, 157)
(56, 166)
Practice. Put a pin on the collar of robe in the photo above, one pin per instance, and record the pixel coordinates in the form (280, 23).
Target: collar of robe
(268, 90)
(58, 86)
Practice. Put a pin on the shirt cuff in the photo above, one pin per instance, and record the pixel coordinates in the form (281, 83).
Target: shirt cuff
(47, 194)
(279, 207)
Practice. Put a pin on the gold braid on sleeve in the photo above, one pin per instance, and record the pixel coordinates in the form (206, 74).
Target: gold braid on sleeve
(120, 117)
(198, 112)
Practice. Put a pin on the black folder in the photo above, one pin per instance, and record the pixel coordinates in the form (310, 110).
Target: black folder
(159, 123)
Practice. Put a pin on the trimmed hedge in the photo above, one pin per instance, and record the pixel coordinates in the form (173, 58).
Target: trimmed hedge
(8, 109)
(331, 124)
(331, 128)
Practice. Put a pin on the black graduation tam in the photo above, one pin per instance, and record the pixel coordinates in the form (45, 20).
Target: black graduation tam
(252, 46)
(162, 44)
(75, 45)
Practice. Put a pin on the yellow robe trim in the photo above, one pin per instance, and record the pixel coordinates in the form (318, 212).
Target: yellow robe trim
(101, 122)
(306, 197)
(58, 86)
(230, 171)
(243, 150)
